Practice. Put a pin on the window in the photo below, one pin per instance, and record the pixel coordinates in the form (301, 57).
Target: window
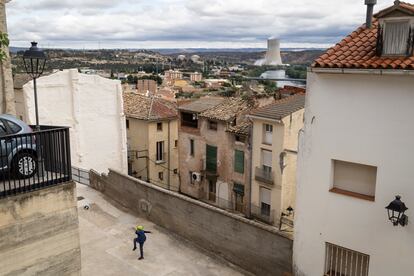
(161, 175)
(239, 161)
(211, 158)
(212, 125)
(160, 152)
(267, 161)
(264, 201)
(159, 126)
(176, 143)
(354, 179)
(267, 134)
(396, 36)
(3, 130)
(191, 147)
(240, 139)
(346, 262)
(127, 124)
(14, 127)
(189, 120)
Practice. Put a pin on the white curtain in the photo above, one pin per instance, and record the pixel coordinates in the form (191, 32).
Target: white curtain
(396, 37)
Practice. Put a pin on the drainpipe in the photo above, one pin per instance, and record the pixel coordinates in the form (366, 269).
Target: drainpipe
(250, 148)
(169, 155)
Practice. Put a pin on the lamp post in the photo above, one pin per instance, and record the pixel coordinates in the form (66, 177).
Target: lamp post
(34, 61)
(396, 210)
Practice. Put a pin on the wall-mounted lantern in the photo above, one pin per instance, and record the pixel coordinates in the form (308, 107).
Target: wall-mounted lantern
(396, 210)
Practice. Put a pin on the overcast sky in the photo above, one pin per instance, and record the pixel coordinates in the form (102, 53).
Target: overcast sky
(183, 23)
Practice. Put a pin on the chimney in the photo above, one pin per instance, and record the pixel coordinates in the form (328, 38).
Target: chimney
(370, 11)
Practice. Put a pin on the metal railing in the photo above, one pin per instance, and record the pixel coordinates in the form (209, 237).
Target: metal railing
(262, 214)
(264, 176)
(34, 160)
(80, 176)
(342, 261)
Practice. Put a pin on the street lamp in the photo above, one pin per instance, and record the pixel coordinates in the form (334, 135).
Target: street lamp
(396, 210)
(34, 61)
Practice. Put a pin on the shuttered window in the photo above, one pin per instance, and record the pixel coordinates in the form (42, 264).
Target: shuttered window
(239, 161)
(211, 159)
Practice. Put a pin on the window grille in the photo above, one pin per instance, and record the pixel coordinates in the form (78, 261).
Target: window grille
(340, 261)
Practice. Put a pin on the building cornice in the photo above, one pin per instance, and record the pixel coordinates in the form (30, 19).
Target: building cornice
(362, 71)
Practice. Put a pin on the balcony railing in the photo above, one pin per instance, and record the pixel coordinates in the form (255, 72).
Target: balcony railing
(264, 176)
(35, 160)
(264, 215)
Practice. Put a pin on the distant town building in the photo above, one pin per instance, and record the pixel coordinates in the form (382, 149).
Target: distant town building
(152, 131)
(147, 86)
(172, 75)
(356, 153)
(196, 77)
(92, 107)
(275, 145)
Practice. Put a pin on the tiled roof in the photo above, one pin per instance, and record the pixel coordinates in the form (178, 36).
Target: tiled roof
(139, 106)
(243, 128)
(226, 110)
(358, 50)
(282, 108)
(201, 105)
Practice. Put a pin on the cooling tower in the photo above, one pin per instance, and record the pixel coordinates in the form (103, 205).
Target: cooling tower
(273, 52)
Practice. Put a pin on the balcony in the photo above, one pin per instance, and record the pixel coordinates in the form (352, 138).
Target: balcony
(34, 161)
(264, 176)
(263, 215)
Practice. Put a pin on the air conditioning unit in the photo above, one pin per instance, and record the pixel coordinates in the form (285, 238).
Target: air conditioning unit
(196, 177)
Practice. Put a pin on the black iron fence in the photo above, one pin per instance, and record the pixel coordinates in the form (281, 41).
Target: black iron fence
(34, 160)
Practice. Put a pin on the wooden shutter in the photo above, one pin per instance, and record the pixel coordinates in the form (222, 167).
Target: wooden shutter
(239, 161)
(211, 158)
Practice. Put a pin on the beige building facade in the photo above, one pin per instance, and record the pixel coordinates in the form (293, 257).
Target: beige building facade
(152, 134)
(7, 99)
(274, 157)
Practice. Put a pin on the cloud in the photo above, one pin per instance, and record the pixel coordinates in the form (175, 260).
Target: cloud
(124, 23)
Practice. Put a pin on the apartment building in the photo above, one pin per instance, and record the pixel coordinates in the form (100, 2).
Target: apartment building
(214, 152)
(274, 157)
(356, 153)
(152, 133)
(172, 75)
(196, 76)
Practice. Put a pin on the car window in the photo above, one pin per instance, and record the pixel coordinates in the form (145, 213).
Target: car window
(3, 131)
(14, 127)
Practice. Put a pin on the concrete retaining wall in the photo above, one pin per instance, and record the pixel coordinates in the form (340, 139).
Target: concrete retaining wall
(39, 233)
(255, 247)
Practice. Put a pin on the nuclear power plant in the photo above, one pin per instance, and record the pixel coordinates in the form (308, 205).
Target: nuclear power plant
(273, 56)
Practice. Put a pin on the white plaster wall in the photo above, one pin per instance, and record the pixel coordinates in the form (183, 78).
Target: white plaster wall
(92, 107)
(365, 119)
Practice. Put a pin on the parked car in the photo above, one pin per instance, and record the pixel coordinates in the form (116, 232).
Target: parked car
(18, 154)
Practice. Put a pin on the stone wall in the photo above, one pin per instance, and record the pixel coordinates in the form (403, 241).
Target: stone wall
(255, 247)
(39, 233)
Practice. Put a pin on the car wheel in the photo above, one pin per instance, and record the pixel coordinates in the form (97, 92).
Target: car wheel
(24, 165)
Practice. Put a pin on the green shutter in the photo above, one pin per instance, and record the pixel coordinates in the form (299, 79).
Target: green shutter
(239, 161)
(211, 159)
